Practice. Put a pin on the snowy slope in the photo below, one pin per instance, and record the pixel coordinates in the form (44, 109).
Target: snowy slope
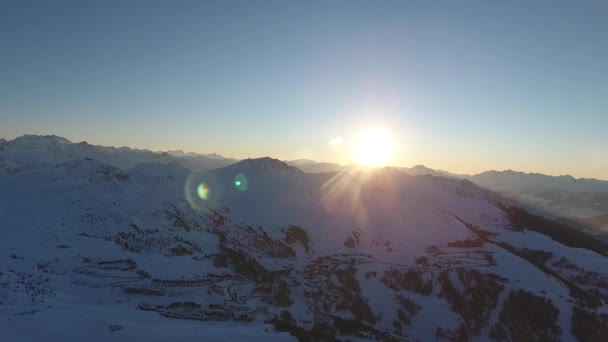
(159, 252)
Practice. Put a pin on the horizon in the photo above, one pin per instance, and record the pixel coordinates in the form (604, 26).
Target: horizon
(465, 87)
(305, 159)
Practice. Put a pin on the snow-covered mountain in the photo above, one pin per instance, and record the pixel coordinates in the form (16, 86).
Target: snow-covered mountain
(312, 166)
(261, 250)
(582, 201)
(418, 170)
(51, 149)
(519, 182)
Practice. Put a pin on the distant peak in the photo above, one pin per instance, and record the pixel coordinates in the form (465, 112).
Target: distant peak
(265, 164)
(265, 161)
(42, 139)
(569, 177)
(215, 156)
(420, 167)
(503, 172)
(513, 173)
(301, 161)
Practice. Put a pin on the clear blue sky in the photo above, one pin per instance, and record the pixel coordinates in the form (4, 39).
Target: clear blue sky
(460, 85)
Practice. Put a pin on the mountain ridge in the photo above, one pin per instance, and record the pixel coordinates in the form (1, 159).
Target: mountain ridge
(417, 169)
(52, 148)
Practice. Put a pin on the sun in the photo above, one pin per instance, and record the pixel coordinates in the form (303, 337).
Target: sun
(373, 147)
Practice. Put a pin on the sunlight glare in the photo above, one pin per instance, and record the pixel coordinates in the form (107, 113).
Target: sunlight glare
(373, 148)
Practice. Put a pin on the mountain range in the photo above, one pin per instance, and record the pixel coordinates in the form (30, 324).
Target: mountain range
(117, 243)
(581, 202)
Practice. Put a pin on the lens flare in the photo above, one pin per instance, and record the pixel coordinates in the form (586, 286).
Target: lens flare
(202, 191)
(240, 182)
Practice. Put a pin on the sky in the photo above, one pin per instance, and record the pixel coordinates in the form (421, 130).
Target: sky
(464, 86)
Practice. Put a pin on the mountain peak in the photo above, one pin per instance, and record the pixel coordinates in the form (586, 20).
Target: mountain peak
(41, 139)
(262, 165)
(421, 167)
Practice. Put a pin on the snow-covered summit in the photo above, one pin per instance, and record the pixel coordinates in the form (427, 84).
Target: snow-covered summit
(262, 165)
